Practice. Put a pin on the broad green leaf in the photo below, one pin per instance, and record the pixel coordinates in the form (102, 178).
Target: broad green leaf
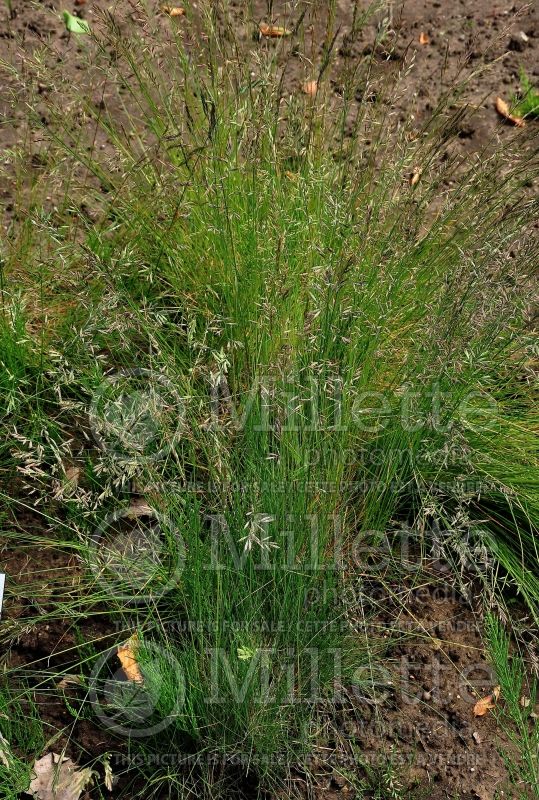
(74, 24)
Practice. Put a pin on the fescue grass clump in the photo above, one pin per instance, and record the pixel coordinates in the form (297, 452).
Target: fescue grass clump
(294, 328)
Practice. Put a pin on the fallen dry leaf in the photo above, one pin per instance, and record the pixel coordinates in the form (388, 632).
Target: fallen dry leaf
(525, 702)
(423, 38)
(476, 737)
(415, 176)
(273, 31)
(127, 653)
(486, 703)
(503, 110)
(310, 88)
(58, 778)
(173, 11)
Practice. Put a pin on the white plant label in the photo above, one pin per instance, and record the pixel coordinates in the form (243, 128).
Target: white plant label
(2, 583)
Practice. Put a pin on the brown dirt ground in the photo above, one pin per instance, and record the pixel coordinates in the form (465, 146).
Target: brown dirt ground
(462, 36)
(428, 724)
(421, 718)
(425, 723)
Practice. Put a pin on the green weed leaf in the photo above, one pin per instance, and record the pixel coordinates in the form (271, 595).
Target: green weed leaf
(74, 24)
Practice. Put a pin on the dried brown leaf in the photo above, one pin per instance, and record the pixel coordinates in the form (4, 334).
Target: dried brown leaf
(415, 176)
(173, 11)
(486, 703)
(310, 88)
(273, 31)
(503, 110)
(127, 653)
(58, 778)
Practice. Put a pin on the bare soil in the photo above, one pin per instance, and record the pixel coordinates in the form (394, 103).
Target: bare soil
(420, 718)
